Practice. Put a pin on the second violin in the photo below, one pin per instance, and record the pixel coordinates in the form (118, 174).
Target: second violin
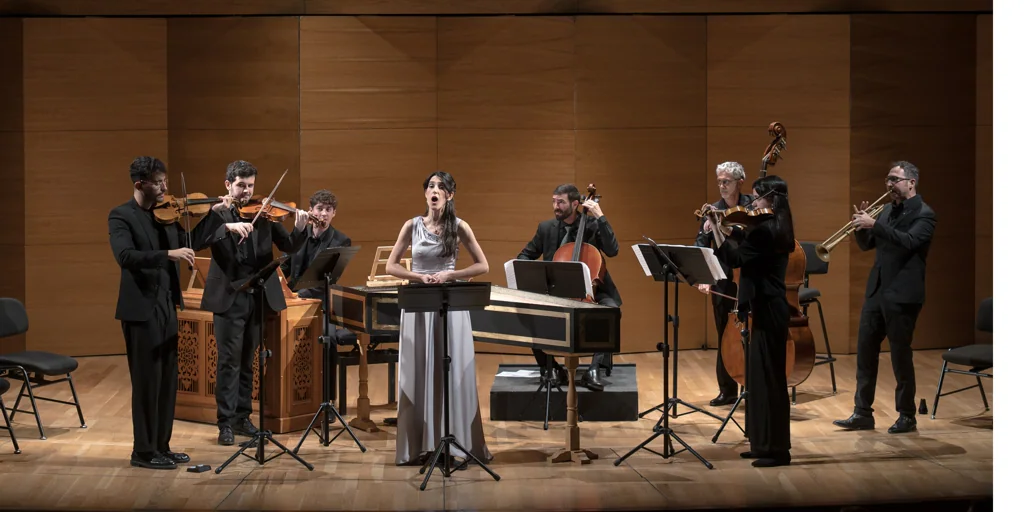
(274, 211)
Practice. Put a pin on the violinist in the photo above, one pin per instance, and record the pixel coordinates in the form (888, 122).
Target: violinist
(761, 253)
(730, 177)
(235, 314)
(554, 233)
(149, 253)
(323, 205)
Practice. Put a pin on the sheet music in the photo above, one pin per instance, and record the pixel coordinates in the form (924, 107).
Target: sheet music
(707, 252)
(510, 275)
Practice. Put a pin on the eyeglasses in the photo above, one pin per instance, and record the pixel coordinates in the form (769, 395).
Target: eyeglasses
(895, 179)
(157, 183)
(723, 183)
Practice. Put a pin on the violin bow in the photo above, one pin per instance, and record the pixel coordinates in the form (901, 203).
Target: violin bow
(188, 220)
(270, 198)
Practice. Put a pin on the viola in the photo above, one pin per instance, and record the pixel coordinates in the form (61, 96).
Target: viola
(737, 216)
(581, 251)
(800, 350)
(173, 209)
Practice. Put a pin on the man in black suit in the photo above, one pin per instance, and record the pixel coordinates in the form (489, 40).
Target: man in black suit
(730, 177)
(323, 205)
(236, 321)
(148, 253)
(901, 236)
(552, 234)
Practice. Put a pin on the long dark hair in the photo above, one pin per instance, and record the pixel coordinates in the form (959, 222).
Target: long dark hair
(450, 231)
(775, 189)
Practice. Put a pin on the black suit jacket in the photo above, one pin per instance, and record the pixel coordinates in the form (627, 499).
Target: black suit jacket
(598, 233)
(707, 239)
(329, 238)
(141, 259)
(901, 248)
(226, 273)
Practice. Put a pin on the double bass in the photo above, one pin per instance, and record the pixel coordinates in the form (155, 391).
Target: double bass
(800, 350)
(581, 251)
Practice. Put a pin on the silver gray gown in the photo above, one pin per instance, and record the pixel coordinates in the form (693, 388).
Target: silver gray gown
(420, 371)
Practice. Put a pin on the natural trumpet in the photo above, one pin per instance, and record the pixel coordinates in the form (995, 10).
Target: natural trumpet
(825, 248)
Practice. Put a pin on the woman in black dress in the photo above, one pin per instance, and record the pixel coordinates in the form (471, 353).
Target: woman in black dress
(762, 254)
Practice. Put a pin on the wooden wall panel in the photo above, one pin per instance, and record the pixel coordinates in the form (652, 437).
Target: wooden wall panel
(641, 72)
(367, 72)
(377, 176)
(505, 177)
(791, 69)
(233, 73)
(11, 82)
(71, 293)
(441, 7)
(95, 74)
(506, 72)
(904, 84)
(645, 178)
(12, 171)
(477, 7)
(150, 7)
(102, 160)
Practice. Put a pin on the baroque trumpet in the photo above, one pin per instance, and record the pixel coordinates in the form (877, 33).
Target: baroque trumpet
(824, 249)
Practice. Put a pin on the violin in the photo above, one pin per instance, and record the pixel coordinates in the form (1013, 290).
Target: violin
(580, 251)
(800, 349)
(738, 216)
(173, 209)
(275, 211)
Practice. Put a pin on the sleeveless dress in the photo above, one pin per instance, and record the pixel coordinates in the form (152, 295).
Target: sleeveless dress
(420, 370)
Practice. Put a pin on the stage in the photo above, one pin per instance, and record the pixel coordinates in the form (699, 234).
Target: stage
(950, 458)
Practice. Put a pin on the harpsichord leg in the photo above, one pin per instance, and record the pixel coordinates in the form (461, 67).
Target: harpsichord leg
(572, 451)
(362, 420)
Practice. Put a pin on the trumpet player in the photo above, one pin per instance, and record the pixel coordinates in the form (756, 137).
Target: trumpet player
(900, 235)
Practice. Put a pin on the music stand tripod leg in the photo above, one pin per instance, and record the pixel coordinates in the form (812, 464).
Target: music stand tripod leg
(262, 435)
(662, 428)
(446, 442)
(326, 407)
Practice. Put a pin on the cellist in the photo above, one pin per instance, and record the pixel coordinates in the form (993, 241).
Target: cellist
(761, 253)
(554, 233)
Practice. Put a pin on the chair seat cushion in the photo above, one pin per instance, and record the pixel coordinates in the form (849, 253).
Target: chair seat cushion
(4, 386)
(46, 363)
(975, 356)
(806, 294)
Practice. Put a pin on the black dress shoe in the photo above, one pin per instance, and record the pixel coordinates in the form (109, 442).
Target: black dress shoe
(772, 460)
(723, 400)
(177, 458)
(245, 428)
(152, 461)
(226, 437)
(903, 425)
(592, 380)
(856, 422)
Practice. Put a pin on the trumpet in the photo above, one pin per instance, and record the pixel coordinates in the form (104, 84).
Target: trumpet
(824, 249)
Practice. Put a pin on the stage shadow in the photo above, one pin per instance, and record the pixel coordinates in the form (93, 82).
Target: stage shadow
(979, 422)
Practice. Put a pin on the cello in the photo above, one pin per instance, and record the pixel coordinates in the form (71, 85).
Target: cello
(800, 349)
(581, 251)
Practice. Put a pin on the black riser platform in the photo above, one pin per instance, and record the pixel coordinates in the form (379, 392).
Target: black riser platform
(517, 398)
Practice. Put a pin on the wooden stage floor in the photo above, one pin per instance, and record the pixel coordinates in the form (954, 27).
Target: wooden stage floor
(950, 458)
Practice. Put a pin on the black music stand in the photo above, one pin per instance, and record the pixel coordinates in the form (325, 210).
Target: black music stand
(564, 279)
(442, 298)
(663, 264)
(257, 282)
(325, 270)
